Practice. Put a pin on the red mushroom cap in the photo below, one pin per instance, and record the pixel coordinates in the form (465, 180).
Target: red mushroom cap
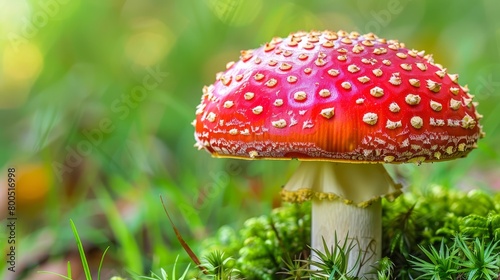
(337, 96)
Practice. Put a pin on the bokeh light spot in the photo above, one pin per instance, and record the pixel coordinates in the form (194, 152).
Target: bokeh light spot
(36, 181)
(21, 66)
(150, 43)
(235, 12)
(22, 63)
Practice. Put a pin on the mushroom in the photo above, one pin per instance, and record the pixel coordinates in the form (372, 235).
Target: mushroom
(343, 104)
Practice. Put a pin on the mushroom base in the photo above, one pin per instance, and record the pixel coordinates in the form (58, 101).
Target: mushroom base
(346, 203)
(334, 221)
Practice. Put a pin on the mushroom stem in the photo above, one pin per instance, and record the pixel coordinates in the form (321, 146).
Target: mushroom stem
(334, 220)
(346, 203)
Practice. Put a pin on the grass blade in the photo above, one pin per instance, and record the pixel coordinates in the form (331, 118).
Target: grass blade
(79, 244)
(56, 274)
(100, 263)
(129, 247)
(184, 245)
(69, 269)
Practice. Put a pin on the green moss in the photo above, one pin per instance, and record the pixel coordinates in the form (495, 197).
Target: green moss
(264, 246)
(263, 243)
(426, 219)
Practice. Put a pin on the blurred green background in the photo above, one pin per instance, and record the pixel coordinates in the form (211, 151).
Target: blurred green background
(96, 100)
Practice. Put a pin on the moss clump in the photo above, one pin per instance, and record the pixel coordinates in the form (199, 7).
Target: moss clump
(414, 221)
(427, 219)
(263, 243)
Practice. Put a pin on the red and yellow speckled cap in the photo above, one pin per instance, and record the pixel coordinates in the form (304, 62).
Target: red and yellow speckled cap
(337, 96)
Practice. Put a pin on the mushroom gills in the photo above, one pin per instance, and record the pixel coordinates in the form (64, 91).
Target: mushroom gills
(358, 184)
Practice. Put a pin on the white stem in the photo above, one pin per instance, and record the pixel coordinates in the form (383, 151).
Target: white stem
(346, 202)
(362, 225)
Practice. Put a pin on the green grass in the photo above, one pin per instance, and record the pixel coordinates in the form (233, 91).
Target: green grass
(276, 246)
(85, 264)
(164, 275)
(418, 241)
(465, 259)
